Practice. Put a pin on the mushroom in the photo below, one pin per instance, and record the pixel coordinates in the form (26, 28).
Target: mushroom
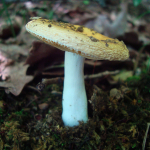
(79, 43)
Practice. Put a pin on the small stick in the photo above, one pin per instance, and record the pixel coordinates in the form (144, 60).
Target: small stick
(101, 74)
(144, 140)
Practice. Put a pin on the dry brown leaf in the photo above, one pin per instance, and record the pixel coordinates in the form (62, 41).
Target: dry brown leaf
(131, 38)
(4, 61)
(102, 24)
(40, 52)
(17, 78)
(42, 56)
(13, 51)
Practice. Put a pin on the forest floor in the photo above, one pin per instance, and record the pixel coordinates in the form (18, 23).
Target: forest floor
(32, 75)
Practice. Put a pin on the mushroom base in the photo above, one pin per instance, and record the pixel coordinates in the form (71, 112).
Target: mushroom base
(74, 103)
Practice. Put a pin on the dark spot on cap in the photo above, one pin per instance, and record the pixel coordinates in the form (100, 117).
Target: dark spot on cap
(49, 25)
(93, 39)
(80, 29)
(110, 41)
(79, 52)
(107, 45)
(35, 25)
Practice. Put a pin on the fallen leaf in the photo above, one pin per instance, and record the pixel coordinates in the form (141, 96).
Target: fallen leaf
(123, 75)
(4, 61)
(42, 56)
(17, 78)
(13, 51)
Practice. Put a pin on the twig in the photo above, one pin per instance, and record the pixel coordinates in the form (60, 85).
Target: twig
(52, 81)
(101, 74)
(33, 88)
(30, 102)
(145, 137)
(60, 79)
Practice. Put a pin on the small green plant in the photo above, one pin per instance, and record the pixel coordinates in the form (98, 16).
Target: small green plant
(148, 65)
(86, 2)
(133, 78)
(134, 145)
(143, 14)
(136, 2)
(19, 113)
(50, 14)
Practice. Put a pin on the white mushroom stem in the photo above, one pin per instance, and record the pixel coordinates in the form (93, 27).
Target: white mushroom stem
(74, 103)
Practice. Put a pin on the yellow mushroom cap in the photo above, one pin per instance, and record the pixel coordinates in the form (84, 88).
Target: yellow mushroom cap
(77, 39)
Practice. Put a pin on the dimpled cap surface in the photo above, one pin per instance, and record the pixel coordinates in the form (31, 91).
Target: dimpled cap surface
(77, 39)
